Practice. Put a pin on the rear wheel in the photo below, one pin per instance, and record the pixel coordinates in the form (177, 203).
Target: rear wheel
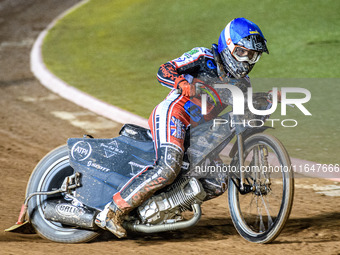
(260, 215)
(49, 175)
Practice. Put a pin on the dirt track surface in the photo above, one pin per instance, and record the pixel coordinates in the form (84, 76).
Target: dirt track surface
(34, 121)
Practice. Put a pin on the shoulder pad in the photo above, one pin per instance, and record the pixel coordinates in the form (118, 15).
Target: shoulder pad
(192, 56)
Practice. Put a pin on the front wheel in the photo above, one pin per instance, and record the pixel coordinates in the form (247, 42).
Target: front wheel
(49, 175)
(260, 214)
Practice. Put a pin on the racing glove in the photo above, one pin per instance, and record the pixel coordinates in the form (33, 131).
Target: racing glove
(186, 88)
(270, 96)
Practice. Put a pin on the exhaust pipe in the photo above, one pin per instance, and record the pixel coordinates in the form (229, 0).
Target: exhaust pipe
(169, 226)
(83, 217)
(68, 214)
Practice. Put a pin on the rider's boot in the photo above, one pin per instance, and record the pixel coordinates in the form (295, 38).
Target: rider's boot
(140, 188)
(114, 220)
(111, 218)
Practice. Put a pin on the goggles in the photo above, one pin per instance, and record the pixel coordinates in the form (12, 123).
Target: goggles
(246, 55)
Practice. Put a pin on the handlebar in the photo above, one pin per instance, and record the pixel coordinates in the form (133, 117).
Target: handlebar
(198, 86)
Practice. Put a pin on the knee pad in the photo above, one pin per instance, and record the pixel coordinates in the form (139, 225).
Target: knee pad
(169, 162)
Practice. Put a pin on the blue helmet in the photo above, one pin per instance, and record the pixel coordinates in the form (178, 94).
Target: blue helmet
(240, 46)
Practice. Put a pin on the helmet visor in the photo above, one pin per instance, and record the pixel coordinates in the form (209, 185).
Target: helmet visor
(243, 54)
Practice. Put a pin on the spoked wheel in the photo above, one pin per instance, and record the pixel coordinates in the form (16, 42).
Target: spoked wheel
(49, 175)
(260, 214)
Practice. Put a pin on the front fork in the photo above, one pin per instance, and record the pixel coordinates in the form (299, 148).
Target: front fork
(260, 153)
(240, 145)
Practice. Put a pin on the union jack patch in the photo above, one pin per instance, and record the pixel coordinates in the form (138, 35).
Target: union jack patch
(177, 128)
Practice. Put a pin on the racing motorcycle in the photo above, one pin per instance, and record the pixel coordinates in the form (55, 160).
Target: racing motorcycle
(73, 183)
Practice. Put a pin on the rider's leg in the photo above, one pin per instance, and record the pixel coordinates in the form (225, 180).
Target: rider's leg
(140, 188)
(168, 123)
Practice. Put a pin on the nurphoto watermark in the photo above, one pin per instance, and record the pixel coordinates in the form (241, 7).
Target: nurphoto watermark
(240, 106)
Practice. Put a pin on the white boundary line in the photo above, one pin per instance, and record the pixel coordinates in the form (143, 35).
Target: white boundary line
(58, 86)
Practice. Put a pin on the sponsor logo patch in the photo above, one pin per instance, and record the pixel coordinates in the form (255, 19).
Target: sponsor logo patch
(69, 210)
(81, 151)
(177, 128)
(97, 166)
(111, 149)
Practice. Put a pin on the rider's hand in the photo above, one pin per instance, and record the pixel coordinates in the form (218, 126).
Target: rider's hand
(186, 88)
(270, 98)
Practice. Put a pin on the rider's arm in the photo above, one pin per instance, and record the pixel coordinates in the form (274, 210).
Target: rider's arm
(167, 75)
(171, 73)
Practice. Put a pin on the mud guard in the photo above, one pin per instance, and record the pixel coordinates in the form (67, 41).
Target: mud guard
(106, 165)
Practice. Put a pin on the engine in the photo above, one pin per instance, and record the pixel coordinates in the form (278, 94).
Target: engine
(168, 206)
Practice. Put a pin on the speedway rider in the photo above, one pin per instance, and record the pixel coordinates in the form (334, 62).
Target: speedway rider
(240, 46)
